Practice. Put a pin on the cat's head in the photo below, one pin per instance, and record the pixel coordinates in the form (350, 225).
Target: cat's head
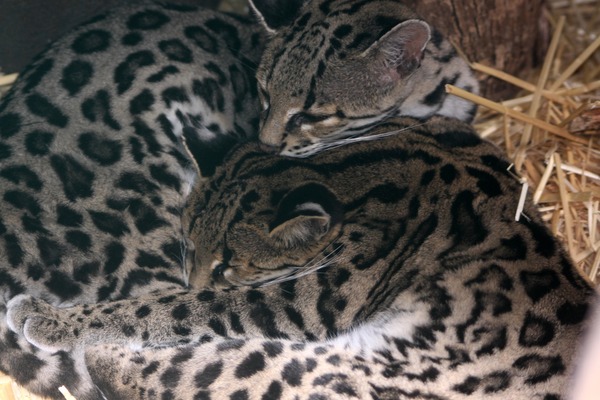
(246, 230)
(333, 69)
(262, 218)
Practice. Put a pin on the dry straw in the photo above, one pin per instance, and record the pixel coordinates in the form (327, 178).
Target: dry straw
(551, 132)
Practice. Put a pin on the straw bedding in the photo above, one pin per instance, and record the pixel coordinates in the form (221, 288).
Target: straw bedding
(551, 131)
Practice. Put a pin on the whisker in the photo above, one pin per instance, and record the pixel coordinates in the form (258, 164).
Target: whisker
(355, 138)
(313, 266)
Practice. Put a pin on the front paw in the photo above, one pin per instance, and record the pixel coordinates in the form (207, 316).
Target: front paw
(39, 323)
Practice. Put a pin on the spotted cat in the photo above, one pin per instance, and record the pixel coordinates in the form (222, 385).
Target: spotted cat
(334, 68)
(93, 174)
(389, 268)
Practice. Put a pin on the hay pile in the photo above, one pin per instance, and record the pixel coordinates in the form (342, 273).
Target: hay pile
(551, 132)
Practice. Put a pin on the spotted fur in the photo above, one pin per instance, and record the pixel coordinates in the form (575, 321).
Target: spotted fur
(335, 68)
(422, 284)
(93, 174)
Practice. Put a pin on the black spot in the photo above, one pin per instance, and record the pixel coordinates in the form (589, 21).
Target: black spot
(170, 377)
(174, 95)
(254, 296)
(146, 133)
(252, 364)
(274, 391)
(126, 72)
(143, 311)
(204, 378)
(486, 182)
(538, 284)
(142, 102)
(181, 330)
(23, 201)
(112, 224)
(183, 355)
(468, 386)
(150, 369)
(163, 74)
(62, 285)
(167, 299)
(76, 75)
(342, 31)
(175, 50)
(13, 249)
(131, 39)
(98, 108)
(539, 368)
(83, 272)
(160, 174)
(5, 151)
(467, 227)
(35, 272)
(241, 394)
(205, 296)
(128, 330)
(103, 151)
(545, 243)
(211, 92)
(388, 193)
(50, 251)
(148, 260)
(512, 249)
(79, 239)
(66, 216)
(535, 331)
(202, 39)
(33, 224)
(77, 181)
(145, 217)
(34, 78)
(227, 32)
(217, 326)
(292, 373)
(571, 314)
(295, 317)
(216, 70)
(42, 107)
(181, 312)
(147, 20)
(38, 142)
(92, 41)
(448, 173)
(273, 349)
(461, 139)
(137, 182)
(22, 174)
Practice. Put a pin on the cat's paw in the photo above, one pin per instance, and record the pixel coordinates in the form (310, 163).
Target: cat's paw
(40, 323)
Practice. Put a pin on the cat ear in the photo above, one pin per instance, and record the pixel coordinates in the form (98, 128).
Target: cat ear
(274, 14)
(305, 216)
(401, 49)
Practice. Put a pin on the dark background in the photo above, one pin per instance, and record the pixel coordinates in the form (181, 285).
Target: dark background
(27, 26)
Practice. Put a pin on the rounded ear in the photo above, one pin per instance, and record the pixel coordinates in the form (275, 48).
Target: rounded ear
(305, 215)
(401, 49)
(275, 14)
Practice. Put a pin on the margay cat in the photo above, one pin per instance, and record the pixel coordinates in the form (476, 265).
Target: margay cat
(390, 268)
(92, 172)
(334, 68)
(151, 86)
